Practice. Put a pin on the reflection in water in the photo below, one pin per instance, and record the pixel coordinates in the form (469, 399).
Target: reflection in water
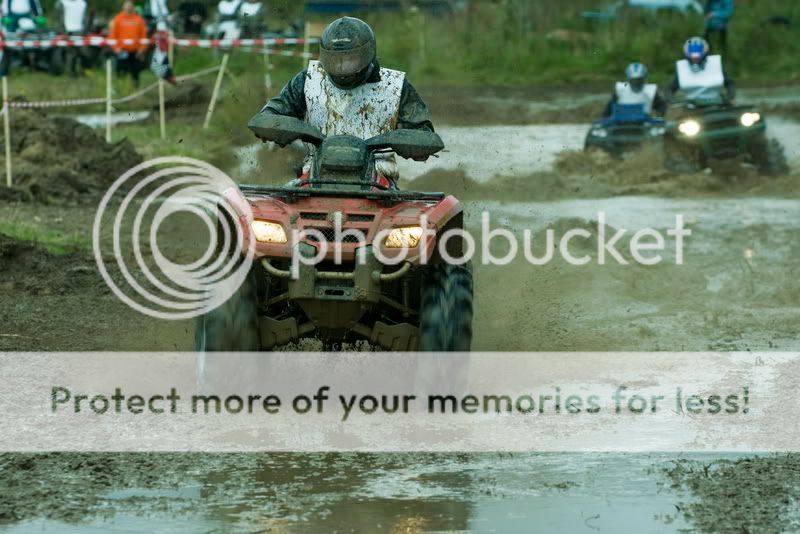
(359, 492)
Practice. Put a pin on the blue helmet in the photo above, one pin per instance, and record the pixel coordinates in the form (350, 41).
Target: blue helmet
(696, 50)
(636, 73)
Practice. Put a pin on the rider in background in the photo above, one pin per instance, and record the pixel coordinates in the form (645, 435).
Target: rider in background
(636, 90)
(347, 92)
(700, 76)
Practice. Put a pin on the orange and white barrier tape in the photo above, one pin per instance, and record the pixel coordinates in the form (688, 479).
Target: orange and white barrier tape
(94, 101)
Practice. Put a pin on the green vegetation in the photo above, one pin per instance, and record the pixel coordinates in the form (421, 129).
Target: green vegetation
(520, 42)
(54, 242)
(492, 44)
(489, 44)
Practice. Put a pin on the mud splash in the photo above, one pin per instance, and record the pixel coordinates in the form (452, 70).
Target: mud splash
(579, 174)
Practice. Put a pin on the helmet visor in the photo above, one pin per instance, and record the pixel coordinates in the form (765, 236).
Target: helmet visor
(637, 84)
(343, 64)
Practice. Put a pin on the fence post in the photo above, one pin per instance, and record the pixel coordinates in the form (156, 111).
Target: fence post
(171, 49)
(7, 130)
(161, 116)
(109, 95)
(306, 45)
(268, 68)
(214, 95)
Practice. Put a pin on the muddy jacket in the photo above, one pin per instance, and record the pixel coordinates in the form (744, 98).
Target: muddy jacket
(649, 97)
(413, 113)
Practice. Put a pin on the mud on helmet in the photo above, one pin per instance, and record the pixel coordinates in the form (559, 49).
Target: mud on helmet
(347, 52)
(636, 74)
(696, 51)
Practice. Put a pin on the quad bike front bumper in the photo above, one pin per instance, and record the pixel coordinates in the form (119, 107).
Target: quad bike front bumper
(617, 140)
(335, 301)
(724, 142)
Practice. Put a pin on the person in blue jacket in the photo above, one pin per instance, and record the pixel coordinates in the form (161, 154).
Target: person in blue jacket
(718, 13)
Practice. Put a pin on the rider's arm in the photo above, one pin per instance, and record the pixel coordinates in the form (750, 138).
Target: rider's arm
(610, 105)
(659, 105)
(673, 87)
(730, 88)
(291, 101)
(414, 113)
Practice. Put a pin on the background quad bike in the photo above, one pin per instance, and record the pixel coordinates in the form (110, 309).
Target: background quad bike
(627, 129)
(726, 133)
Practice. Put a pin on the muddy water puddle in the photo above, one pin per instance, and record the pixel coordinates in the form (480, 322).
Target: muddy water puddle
(394, 493)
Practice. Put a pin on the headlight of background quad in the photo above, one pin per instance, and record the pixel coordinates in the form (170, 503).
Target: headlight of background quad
(600, 132)
(749, 119)
(689, 128)
(406, 237)
(269, 232)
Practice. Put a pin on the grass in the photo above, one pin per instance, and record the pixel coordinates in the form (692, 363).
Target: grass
(54, 242)
(490, 44)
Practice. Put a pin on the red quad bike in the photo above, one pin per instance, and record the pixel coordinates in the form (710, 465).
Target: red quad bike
(423, 303)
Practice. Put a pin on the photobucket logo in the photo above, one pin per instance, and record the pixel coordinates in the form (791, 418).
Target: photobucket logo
(148, 195)
(576, 246)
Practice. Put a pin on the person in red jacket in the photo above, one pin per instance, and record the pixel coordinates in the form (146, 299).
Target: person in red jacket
(129, 56)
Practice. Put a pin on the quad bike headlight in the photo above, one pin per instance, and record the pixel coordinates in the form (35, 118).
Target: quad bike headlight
(689, 128)
(269, 232)
(655, 131)
(405, 237)
(749, 119)
(600, 132)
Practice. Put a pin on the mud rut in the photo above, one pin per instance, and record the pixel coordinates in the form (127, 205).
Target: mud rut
(738, 290)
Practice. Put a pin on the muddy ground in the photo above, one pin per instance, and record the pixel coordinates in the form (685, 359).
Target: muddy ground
(739, 290)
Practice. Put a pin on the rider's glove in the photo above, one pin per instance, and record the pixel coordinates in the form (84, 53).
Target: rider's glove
(41, 21)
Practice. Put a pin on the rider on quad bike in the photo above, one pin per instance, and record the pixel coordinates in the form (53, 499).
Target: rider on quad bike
(357, 116)
(348, 70)
(632, 115)
(709, 126)
(636, 90)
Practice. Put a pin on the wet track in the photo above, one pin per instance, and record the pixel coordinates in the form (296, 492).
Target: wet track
(738, 289)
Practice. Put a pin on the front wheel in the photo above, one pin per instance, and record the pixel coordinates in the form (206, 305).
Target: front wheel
(446, 311)
(233, 325)
(682, 158)
(768, 155)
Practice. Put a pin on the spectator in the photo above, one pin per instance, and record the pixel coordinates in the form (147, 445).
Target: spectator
(72, 17)
(156, 14)
(15, 10)
(129, 56)
(191, 16)
(718, 13)
(227, 20)
(251, 16)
